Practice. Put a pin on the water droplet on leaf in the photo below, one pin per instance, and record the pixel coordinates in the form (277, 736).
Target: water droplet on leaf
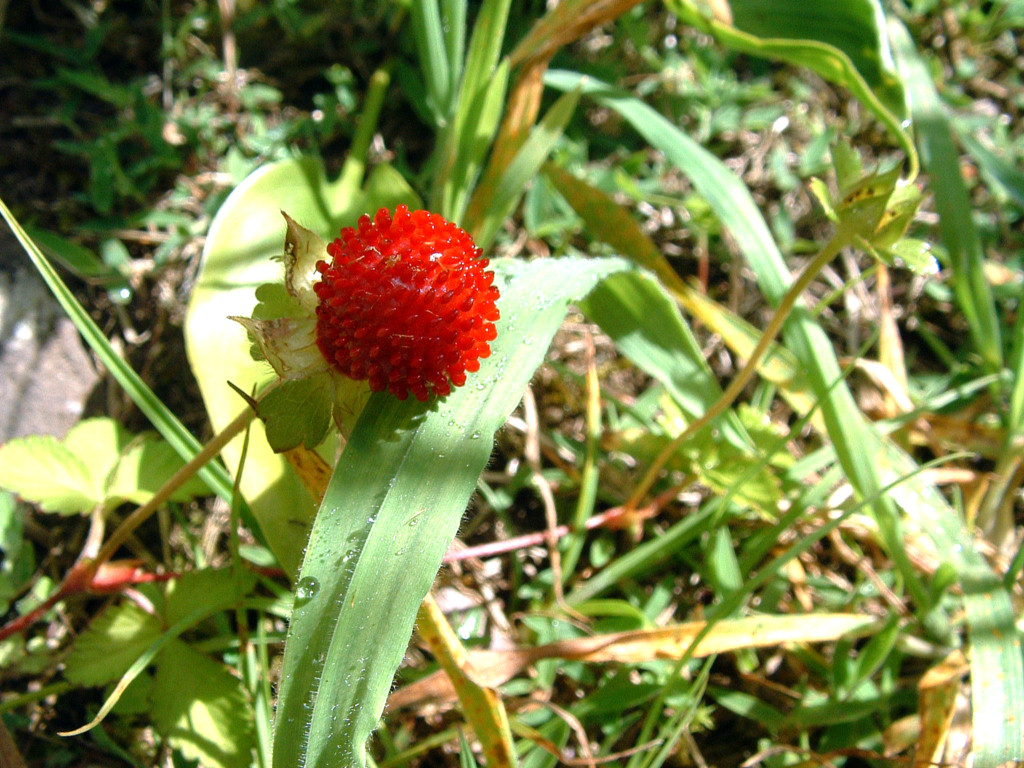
(307, 588)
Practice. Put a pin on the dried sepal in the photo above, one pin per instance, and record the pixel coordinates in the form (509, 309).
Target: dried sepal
(302, 250)
(288, 344)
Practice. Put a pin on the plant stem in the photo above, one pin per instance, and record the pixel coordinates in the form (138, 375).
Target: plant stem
(178, 479)
(840, 240)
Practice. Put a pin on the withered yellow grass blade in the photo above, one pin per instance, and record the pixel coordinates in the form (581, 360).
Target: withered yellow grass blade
(490, 669)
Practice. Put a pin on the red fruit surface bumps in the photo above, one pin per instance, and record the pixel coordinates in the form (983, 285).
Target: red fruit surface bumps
(405, 303)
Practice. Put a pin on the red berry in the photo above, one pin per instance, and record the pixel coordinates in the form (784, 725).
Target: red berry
(405, 303)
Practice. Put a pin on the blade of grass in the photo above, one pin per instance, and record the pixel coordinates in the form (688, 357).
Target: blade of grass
(432, 48)
(566, 22)
(942, 162)
(483, 707)
(165, 422)
(490, 209)
(392, 507)
(464, 142)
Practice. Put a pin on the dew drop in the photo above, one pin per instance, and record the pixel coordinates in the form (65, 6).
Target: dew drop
(475, 436)
(307, 588)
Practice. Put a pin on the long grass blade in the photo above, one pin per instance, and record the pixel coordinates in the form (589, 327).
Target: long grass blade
(959, 235)
(498, 201)
(392, 507)
(165, 422)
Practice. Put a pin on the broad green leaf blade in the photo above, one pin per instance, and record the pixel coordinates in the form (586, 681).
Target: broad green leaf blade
(941, 160)
(110, 644)
(166, 423)
(392, 508)
(247, 232)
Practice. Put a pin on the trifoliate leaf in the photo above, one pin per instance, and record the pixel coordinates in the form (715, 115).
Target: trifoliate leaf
(298, 412)
(111, 644)
(200, 709)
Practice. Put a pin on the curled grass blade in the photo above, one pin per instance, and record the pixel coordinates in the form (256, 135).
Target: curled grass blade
(826, 39)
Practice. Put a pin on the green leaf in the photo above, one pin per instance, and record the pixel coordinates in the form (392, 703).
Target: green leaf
(111, 644)
(98, 463)
(298, 413)
(42, 470)
(200, 709)
(392, 507)
(204, 592)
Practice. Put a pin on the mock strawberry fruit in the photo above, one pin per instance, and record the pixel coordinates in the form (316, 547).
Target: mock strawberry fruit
(405, 303)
